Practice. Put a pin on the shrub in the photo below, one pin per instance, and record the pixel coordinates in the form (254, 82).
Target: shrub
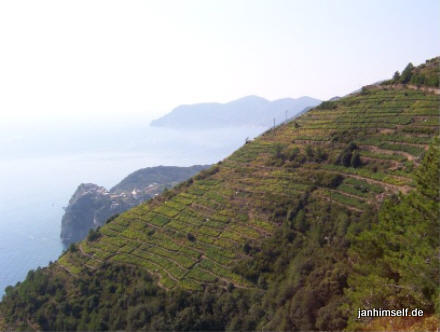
(328, 180)
(278, 151)
(190, 237)
(292, 153)
(93, 235)
(355, 160)
(113, 217)
(349, 156)
(309, 152)
(207, 172)
(320, 155)
(327, 105)
(364, 91)
(72, 248)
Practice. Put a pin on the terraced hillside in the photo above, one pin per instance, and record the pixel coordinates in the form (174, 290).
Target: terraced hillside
(343, 157)
(194, 235)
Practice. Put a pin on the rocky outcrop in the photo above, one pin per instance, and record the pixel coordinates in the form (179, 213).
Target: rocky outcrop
(92, 205)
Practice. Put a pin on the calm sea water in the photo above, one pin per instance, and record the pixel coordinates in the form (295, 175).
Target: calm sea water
(37, 179)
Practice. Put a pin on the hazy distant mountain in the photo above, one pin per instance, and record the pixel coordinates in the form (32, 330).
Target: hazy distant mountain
(251, 110)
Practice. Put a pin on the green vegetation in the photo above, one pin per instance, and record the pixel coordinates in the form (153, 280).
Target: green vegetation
(349, 156)
(426, 74)
(93, 235)
(268, 239)
(397, 257)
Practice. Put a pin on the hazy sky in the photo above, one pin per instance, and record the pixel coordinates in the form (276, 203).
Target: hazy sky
(108, 59)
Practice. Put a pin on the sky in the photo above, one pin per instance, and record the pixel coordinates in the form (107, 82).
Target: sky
(90, 61)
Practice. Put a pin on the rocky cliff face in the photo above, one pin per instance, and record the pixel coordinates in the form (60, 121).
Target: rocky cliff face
(92, 205)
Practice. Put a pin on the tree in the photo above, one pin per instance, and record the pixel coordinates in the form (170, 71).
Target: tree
(321, 155)
(309, 152)
(396, 76)
(407, 73)
(348, 157)
(72, 248)
(345, 158)
(396, 261)
(418, 79)
(278, 150)
(93, 235)
(355, 160)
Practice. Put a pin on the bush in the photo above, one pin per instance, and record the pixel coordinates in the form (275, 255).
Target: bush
(113, 217)
(207, 172)
(292, 153)
(93, 235)
(349, 156)
(355, 160)
(309, 152)
(190, 237)
(320, 155)
(72, 247)
(364, 91)
(328, 180)
(327, 105)
(278, 151)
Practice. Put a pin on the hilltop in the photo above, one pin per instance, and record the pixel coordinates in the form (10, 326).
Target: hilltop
(246, 111)
(91, 205)
(268, 238)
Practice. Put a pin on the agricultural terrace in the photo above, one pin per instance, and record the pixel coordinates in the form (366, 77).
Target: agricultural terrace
(352, 152)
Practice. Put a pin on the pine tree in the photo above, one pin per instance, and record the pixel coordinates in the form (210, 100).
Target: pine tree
(396, 261)
(407, 73)
(355, 160)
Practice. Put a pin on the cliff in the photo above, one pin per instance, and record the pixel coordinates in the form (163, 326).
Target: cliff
(92, 205)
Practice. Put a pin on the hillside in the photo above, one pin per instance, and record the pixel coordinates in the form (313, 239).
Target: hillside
(265, 239)
(247, 111)
(91, 205)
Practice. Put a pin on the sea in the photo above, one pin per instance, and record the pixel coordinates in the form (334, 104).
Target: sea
(40, 171)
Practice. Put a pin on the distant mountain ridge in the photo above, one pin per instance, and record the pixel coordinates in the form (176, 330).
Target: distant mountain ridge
(250, 110)
(92, 205)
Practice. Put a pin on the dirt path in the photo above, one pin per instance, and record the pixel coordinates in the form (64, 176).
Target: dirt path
(433, 90)
(349, 207)
(400, 86)
(374, 148)
(66, 269)
(404, 189)
(81, 250)
(395, 164)
(349, 195)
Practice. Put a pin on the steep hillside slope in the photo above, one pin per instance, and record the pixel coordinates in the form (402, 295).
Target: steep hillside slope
(259, 240)
(246, 111)
(91, 205)
(234, 202)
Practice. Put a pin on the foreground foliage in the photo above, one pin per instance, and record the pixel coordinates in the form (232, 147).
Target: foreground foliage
(397, 259)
